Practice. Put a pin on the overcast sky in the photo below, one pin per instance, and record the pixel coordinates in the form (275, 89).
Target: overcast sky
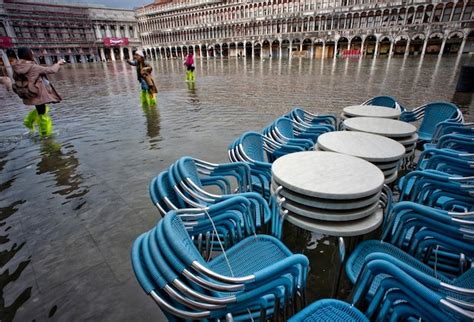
(129, 4)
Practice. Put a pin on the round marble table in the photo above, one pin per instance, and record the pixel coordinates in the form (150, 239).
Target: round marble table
(327, 175)
(384, 127)
(367, 146)
(371, 147)
(371, 111)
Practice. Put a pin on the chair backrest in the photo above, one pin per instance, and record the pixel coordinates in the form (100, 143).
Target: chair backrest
(386, 101)
(285, 126)
(188, 169)
(179, 240)
(165, 189)
(252, 144)
(435, 113)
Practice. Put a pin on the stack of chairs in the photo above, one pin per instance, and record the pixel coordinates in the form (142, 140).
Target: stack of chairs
(232, 285)
(187, 182)
(295, 131)
(432, 114)
(423, 266)
(385, 101)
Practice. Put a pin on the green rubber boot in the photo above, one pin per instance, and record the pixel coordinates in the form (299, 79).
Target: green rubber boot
(45, 124)
(188, 75)
(30, 119)
(144, 97)
(151, 99)
(193, 76)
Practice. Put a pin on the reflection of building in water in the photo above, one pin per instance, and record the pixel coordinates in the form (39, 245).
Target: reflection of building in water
(305, 28)
(63, 164)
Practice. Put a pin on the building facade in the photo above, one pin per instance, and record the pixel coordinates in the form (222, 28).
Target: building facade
(72, 32)
(116, 32)
(305, 28)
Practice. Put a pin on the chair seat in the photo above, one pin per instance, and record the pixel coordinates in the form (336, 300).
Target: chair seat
(329, 310)
(250, 256)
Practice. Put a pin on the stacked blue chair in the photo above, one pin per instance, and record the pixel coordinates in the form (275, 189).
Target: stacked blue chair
(386, 101)
(432, 114)
(329, 310)
(184, 184)
(398, 291)
(171, 270)
(307, 119)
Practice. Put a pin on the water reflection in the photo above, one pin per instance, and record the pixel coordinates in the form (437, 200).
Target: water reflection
(9, 306)
(152, 116)
(107, 145)
(63, 164)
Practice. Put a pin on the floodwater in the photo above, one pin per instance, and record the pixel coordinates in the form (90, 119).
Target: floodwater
(71, 205)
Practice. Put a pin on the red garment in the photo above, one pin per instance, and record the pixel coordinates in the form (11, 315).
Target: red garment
(189, 60)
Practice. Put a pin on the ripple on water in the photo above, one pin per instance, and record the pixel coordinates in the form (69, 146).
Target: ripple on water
(107, 146)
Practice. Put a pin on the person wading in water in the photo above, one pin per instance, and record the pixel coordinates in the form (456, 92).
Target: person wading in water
(33, 87)
(189, 63)
(148, 93)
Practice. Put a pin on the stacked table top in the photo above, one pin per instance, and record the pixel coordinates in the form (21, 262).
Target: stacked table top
(329, 193)
(381, 151)
(400, 131)
(370, 111)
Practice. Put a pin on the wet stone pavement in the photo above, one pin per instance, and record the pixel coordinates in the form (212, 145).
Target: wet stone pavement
(71, 205)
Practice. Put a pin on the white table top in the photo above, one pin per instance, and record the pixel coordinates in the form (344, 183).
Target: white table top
(371, 111)
(327, 175)
(370, 147)
(326, 203)
(385, 127)
(330, 215)
(338, 229)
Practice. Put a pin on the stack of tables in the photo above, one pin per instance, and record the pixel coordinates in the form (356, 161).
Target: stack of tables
(329, 193)
(369, 111)
(402, 132)
(381, 151)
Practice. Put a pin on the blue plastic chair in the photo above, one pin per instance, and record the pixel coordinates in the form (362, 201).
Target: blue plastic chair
(329, 310)
(302, 116)
(386, 101)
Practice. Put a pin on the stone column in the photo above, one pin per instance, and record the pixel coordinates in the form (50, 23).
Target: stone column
(112, 53)
(122, 54)
(108, 33)
(442, 46)
(6, 62)
(118, 33)
(407, 48)
(376, 51)
(335, 49)
(425, 43)
(200, 51)
(127, 31)
(97, 32)
(182, 52)
(253, 49)
(280, 50)
(362, 47)
(311, 51)
(290, 49)
(462, 45)
(135, 32)
(390, 51)
(102, 54)
(323, 51)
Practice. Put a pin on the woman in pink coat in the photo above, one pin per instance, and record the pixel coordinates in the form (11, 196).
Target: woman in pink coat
(33, 87)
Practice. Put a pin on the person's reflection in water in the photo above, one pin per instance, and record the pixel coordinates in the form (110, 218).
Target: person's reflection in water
(63, 164)
(193, 97)
(152, 116)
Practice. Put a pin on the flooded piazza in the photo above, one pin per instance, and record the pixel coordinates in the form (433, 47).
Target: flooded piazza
(72, 204)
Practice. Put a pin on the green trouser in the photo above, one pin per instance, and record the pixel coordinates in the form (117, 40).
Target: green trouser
(45, 124)
(190, 75)
(147, 98)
